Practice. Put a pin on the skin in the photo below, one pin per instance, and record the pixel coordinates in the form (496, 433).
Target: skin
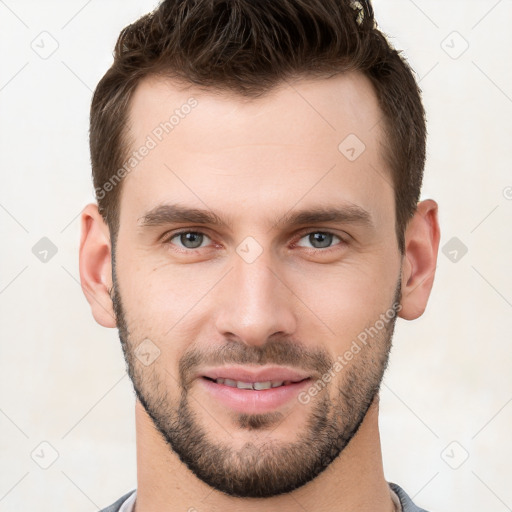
(252, 162)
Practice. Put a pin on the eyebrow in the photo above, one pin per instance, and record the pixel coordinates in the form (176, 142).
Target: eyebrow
(174, 213)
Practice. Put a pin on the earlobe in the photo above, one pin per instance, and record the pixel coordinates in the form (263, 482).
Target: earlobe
(95, 265)
(420, 260)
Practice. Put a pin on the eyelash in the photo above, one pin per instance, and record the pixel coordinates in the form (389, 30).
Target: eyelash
(167, 240)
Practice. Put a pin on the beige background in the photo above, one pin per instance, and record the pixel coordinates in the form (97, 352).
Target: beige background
(448, 392)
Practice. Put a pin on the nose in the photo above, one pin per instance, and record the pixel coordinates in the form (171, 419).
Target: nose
(255, 302)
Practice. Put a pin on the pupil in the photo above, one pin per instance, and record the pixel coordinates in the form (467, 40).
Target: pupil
(324, 239)
(186, 238)
(318, 240)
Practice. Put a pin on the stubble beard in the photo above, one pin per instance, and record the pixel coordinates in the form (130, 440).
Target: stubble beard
(263, 467)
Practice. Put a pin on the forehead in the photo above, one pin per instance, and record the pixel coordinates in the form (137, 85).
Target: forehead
(303, 141)
(336, 104)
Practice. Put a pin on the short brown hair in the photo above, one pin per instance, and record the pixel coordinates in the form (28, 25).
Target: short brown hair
(248, 47)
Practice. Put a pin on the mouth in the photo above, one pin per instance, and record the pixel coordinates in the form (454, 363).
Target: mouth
(247, 391)
(254, 386)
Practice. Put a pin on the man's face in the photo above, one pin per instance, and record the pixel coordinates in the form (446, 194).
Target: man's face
(257, 292)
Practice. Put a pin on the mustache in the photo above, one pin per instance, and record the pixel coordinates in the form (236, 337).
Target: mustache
(277, 351)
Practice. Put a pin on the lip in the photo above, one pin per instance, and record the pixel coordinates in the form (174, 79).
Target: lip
(246, 374)
(253, 401)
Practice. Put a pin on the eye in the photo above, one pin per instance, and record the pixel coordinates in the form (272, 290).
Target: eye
(319, 239)
(188, 239)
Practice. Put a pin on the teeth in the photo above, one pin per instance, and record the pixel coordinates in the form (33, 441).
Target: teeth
(244, 385)
(251, 385)
(262, 385)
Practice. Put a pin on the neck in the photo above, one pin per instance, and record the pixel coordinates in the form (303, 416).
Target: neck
(354, 481)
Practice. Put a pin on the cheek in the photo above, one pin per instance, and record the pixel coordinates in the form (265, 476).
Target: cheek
(334, 301)
(162, 301)
(345, 300)
(146, 281)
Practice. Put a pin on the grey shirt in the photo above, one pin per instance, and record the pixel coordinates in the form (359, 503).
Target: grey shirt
(405, 501)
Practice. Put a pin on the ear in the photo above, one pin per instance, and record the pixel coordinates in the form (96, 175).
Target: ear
(418, 270)
(95, 265)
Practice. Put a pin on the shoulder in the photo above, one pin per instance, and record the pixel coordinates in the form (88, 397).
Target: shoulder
(117, 505)
(405, 500)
